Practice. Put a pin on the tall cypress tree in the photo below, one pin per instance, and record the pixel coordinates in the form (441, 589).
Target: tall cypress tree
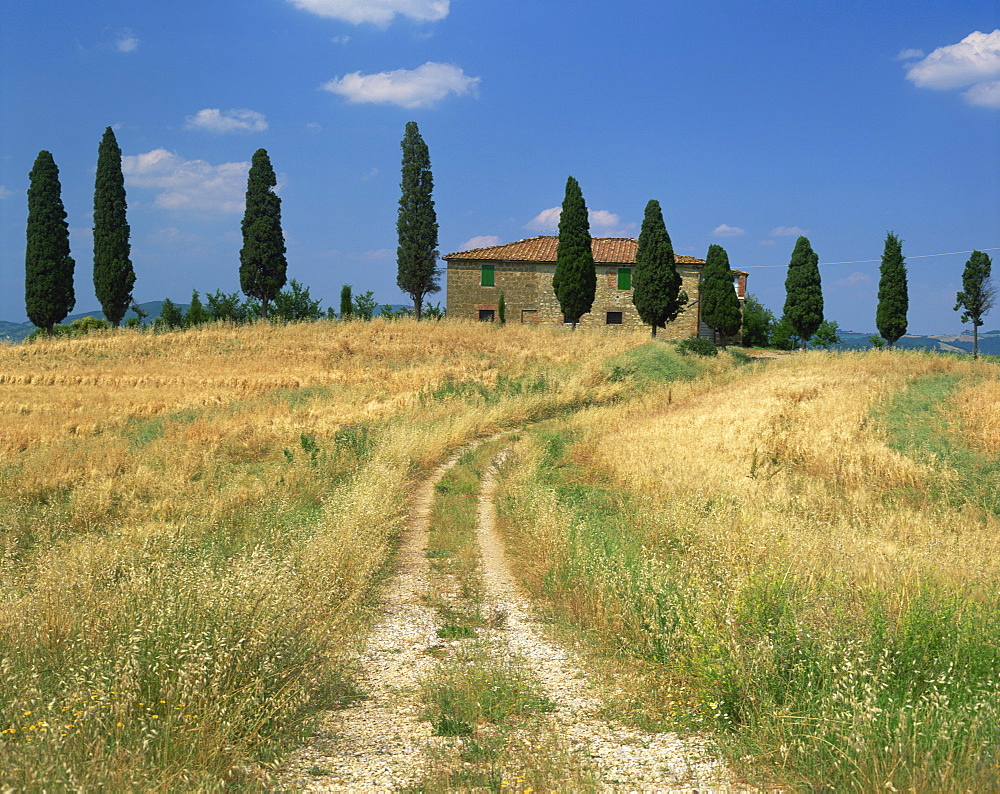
(978, 295)
(575, 279)
(416, 224)
(803, 292)
(262, 258)
(893, 299)
(720, 306)
(48, 267)
(656, 284)
(113, 273)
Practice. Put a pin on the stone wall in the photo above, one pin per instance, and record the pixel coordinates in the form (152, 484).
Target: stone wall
(529, 297)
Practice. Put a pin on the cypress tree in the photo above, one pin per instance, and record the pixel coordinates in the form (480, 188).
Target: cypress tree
(803, 293)
(720, 306)
(893, 300)
(575, 279)
(48, 267)
(346, 306)
(113, 273)
(656, 284)
(416, 224)
(978, 295)
(262, 258)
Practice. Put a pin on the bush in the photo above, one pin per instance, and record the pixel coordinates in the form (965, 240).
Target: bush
(697, 346)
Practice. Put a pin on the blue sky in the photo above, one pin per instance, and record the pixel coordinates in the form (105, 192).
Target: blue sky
(751, 123)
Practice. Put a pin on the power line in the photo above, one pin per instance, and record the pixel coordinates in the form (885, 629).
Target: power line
(868, 261)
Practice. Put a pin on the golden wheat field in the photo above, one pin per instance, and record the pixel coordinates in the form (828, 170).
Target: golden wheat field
(191, 522)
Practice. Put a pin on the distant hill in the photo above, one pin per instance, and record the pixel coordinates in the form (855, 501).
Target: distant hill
(989, 342)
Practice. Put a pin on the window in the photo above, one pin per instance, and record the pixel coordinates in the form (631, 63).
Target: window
(488, 276)
(624, 278)
(529, 316)
(486, 315)
(614, 318)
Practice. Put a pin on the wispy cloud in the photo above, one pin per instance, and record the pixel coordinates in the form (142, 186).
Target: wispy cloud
(973, 62)
(188, 185)
(725, 230)
(602, 222)
(376, 12)
(125, 40)
(422, 87)
(220, 122)
(482, 241)
(909, 54)
(853, 280)
(788, 231)
(5, 192)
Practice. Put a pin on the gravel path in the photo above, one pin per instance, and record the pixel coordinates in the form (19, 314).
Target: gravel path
(626, 758)
(380, 743)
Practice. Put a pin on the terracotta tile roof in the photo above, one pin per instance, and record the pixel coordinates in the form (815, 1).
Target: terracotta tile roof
(607, 250)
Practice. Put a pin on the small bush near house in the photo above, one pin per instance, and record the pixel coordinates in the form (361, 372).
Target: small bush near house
(698, 347)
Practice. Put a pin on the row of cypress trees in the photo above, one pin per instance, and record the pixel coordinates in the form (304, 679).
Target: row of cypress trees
(656, 284)
(49, 293)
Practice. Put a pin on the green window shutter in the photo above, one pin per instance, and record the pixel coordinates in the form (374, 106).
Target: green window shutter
(488, 276)
(624, 278)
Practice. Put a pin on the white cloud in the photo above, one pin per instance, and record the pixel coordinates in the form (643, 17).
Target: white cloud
(376, 12)
(126, 40)
(853, 280)
(984, 94)
(340, 39)
(602, 222)
(545, 221)
(974, 61)
(5, 192)
(234, 120)
(788, 231)
(409, 88)
(482, 241)
(188, 185)
(909, 54)
(725, 230)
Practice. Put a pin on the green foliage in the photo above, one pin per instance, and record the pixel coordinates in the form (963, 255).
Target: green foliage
(876, 341)
(346, 304)
(720, 306)
(893, 298)
(827, 335)
(758, 321)
(262, 258)
(978, 295)
(78, 327)
(390, 312)
(575, 279)
(48, 267)
(364, 306)
(784, 336)
(697, 346)
(434, 311)
(502, 308)
(650, 363)
(416, 223)
(295, 305)
(170, 316)
(228, 307)
(196, 313)
(656, 284)
(803, 293)
(114, 276)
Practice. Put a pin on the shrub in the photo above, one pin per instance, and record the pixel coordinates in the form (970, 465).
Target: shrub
(697, 346)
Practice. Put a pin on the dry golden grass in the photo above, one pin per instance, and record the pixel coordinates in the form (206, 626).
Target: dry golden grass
(978, 408)
(193, 519)
(796, 453)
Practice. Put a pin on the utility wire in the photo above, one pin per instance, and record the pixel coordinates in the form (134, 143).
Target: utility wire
(867, 261)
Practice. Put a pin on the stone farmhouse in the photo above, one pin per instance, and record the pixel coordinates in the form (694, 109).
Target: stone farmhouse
(523, 272)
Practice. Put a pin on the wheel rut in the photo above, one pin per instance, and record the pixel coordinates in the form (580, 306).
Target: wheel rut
(385, 743)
